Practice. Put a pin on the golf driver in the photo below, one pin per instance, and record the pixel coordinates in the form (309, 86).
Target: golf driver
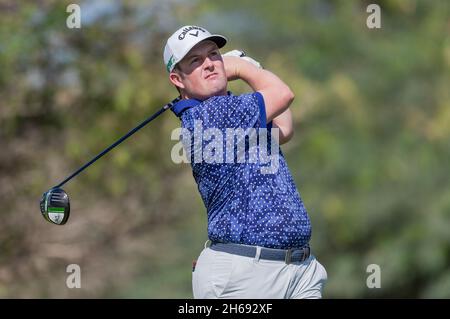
(55, 204)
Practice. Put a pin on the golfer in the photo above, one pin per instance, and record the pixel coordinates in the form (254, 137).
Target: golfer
(258, 227)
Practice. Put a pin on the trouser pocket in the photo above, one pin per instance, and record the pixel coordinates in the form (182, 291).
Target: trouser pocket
(211, 274)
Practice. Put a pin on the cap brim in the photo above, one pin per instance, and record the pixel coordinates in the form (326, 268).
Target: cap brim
(218, 39)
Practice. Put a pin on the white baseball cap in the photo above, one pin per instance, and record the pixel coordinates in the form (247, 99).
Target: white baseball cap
(183, 40)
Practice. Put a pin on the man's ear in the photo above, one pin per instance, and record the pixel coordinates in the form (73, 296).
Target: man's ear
(176, 79)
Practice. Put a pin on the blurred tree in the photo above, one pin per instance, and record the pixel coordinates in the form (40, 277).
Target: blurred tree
(369, 157)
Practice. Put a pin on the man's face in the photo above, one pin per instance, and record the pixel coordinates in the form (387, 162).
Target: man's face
(201, 73)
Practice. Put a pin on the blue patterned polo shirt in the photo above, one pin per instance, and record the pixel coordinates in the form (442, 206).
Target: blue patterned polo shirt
(244, 204)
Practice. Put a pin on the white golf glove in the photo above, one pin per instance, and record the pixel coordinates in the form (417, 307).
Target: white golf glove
(241, 54)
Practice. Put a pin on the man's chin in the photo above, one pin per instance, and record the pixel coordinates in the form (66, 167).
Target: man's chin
(222, 91)
(214, 92)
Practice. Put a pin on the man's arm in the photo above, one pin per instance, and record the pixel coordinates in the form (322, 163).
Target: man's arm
(285, 126)
(277, 95)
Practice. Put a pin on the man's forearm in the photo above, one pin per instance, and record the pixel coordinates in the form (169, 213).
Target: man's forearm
(285, 125)
(277, 95)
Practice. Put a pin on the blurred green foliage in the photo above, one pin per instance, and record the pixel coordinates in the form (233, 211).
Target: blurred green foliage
(370, 155)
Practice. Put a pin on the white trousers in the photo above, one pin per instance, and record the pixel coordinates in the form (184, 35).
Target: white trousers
(222, 275)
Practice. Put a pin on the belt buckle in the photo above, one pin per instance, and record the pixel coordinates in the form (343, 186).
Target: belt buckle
(288, 256)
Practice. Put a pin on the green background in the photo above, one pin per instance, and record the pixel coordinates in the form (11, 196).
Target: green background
(370, 154)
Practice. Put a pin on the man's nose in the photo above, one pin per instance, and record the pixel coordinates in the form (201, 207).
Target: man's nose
(208, 63)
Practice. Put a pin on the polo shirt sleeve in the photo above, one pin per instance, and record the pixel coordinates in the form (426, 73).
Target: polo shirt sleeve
(262, 111)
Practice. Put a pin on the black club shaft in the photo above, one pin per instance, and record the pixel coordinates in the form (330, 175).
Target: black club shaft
(123, 138)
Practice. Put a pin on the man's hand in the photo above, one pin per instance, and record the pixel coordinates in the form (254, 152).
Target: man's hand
(241, 54)
(232, 65)
(232, 61)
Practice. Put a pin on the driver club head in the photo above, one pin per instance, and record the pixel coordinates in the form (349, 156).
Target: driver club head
(55, 206)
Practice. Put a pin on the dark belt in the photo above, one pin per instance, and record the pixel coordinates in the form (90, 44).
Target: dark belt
(286, 255)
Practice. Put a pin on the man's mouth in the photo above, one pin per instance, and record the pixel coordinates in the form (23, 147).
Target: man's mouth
(210, 76)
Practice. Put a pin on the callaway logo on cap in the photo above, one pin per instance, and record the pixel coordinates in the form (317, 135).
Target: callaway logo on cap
(183, 40)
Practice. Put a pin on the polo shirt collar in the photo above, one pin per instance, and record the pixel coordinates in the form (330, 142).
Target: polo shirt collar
(183, 105)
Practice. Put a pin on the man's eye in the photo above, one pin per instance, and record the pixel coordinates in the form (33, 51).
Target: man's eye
(194, 60)
(214, 53)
